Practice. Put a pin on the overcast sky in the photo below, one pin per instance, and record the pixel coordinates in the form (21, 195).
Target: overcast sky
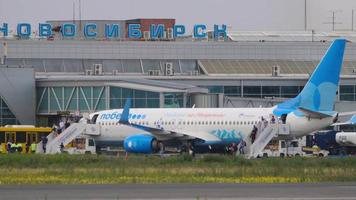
(238, 14)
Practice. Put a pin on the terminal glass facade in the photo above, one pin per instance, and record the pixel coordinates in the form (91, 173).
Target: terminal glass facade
(347, 93)
(50, 100)
(257, 91)
(140, 98)
(6, 116)
(173, 100)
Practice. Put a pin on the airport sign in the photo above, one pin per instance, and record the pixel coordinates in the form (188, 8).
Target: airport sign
(112, 31)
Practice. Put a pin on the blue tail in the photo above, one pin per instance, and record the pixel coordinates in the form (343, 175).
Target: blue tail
(320, 91)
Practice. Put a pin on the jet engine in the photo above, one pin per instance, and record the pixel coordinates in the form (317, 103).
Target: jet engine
(141, 143)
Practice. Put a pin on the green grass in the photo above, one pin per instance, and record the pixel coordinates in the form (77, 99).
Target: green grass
(93, 169)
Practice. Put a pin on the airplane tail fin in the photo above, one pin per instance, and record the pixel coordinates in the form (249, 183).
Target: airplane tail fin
(319, 93)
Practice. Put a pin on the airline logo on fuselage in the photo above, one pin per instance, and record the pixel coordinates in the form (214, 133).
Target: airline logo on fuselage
(117, 116)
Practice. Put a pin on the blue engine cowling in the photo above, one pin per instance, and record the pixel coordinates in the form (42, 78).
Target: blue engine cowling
(141, 144)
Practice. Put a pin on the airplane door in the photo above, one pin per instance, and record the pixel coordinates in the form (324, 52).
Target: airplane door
(284, 118)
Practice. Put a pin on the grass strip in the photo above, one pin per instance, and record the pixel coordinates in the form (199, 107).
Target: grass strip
(99, 169)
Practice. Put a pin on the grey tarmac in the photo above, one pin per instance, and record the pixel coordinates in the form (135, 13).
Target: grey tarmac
(312, 191)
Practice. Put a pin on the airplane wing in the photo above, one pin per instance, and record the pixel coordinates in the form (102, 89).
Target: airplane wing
(351, 121)
(160, 132)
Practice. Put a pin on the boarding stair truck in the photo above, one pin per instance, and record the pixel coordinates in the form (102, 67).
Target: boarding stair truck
(69, 134)
(265, 136)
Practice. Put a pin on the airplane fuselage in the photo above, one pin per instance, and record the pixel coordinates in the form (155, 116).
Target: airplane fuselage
(224, 125)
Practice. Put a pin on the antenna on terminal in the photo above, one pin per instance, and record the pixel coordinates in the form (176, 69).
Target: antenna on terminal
(333, 22)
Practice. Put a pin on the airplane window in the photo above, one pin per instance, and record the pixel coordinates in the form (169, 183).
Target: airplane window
(188, 123)
(222, 123)
(233, 122)
(199, 123)
(183, 122)
(218, 123)
(214, 122)
(210, 122)
(169, 123)
(230, 122)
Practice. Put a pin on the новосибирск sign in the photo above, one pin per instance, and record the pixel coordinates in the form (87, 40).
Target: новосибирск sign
(90, 30)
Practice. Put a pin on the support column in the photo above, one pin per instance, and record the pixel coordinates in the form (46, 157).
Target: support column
(161, 100)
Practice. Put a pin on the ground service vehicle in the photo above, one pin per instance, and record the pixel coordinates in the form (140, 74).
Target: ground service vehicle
(81, 145)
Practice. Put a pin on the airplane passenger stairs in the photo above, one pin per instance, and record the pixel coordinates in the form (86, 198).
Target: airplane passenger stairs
(265, 136)
(50, 137)
(67, 136)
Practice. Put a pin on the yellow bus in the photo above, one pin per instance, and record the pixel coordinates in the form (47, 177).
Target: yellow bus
(22, 135)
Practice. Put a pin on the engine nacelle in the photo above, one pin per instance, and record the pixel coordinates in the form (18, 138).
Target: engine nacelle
(141, 144)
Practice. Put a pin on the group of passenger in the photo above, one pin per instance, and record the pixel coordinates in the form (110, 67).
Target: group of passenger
(261, 125)
(63, 124)
(14, 147)
(237, 148)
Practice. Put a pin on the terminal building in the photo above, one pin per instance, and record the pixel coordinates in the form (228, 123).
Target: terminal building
(40, 79)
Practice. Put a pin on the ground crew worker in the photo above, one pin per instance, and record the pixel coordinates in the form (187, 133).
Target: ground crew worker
(19, 147)
(8, 146)
(13, 147)
(27, 147)
(33, 147)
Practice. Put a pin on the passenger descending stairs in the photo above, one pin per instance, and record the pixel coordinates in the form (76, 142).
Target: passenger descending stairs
(266, 136)
(50, 137)
(67, 136)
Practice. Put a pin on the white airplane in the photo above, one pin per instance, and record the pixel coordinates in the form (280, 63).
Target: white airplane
(142, 129)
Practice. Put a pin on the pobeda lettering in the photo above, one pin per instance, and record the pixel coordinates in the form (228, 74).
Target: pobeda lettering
(117, 116)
